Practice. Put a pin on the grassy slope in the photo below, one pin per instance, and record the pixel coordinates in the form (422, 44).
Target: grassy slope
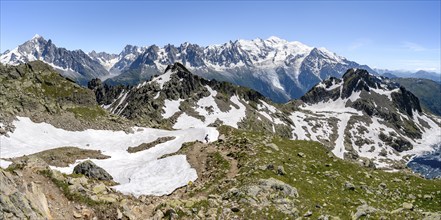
(322, 185)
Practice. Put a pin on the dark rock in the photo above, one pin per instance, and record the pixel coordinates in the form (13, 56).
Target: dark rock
(270, 167)
(349, 186)
(235, 209)
(308, 214)
(171, 214)
(90, 169)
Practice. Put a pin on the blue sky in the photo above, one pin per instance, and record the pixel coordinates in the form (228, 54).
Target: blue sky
(393, 34)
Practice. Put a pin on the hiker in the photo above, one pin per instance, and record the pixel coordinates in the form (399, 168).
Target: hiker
(206, 138)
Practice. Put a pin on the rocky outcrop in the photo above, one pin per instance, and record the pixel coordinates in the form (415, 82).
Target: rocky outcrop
(268, 192)
(90, 169)
(20, 199)
(104, 93)
(146, 146)
(37, 91)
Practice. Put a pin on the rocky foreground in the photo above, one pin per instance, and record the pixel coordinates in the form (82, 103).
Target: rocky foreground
(241, 176)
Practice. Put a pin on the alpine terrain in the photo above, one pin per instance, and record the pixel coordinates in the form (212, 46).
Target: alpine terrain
(182, 146)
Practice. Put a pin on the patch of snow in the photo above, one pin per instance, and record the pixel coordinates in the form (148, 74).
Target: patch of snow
(339, 148)
(157, 95)
(185, 121)
(335, 106)
(334, 58)
(299, 122)
(138, 173)
(60, 68)
(430, 137)
(266, 115)
(122, 109)
(270, 108)
(4, 163)
(334, 85)
(122, 97)
(108, 64)
(171, 107)
(385, 92)
(162, 79)
(106, 106)
(141, 84)
(278, 121)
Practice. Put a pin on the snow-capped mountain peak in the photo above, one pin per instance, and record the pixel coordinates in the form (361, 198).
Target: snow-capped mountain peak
(36, 36)
(275, 39)
(74, 64)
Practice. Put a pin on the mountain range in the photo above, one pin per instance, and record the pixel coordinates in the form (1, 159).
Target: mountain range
(278, 69)
(421, 74)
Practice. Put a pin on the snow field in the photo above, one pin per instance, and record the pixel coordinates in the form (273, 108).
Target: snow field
(140, 173)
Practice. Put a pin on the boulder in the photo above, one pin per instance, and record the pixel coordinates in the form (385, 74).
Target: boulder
(349, 186)
(99, 188)
(278, 185)
(363, 210)
(91, 170)
(222, 138)
(407, 206)
(272, 146)
(281, 170)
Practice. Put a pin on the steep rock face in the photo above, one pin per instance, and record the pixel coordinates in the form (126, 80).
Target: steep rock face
(427, 91)
(104, 93)
(76, 64)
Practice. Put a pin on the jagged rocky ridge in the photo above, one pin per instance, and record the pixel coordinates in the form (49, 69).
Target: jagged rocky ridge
(276, 68)
(179, 99)
(359, 117)
(427, 91)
